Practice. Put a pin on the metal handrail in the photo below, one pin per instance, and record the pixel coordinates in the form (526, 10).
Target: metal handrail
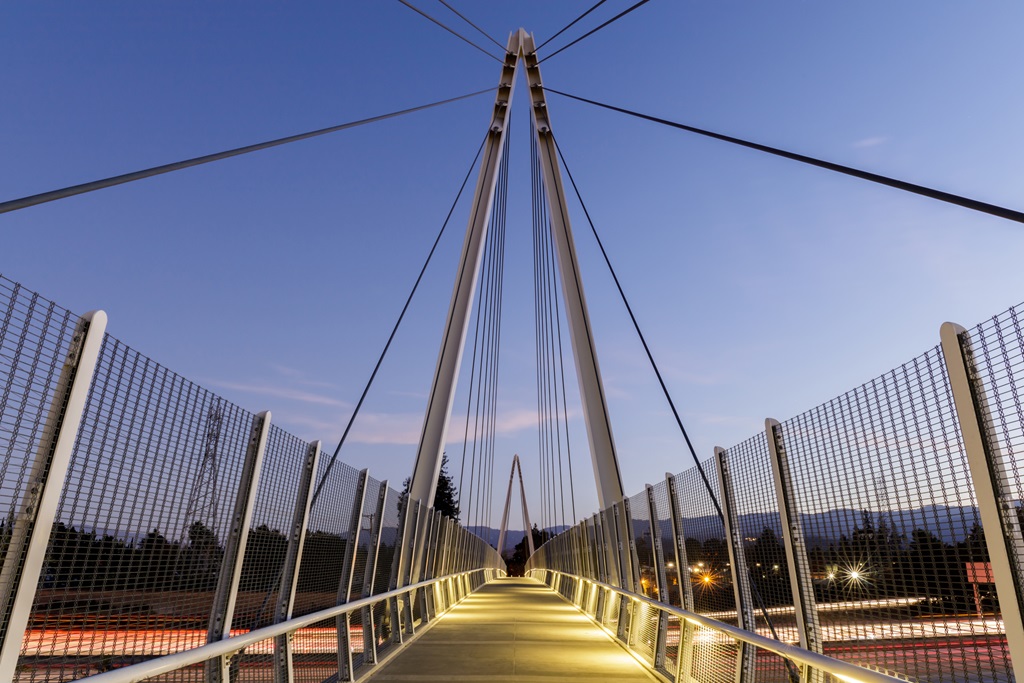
(844, 670)
(179, 660)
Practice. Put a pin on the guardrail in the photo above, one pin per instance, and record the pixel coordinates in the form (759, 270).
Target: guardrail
(438, 595)
(882, 528)
(142, 516)
(702, 645)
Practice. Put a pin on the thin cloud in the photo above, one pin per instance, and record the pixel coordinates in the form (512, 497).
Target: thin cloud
(282, 393)
(870, 142)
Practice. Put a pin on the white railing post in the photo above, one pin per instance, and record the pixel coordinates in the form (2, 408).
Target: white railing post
(679, 545)
(346, 669)
(660, 577)
(806, 612)
(217, 670)
(33, 522)
(745, 655)
(996, 499)
(684, 654)
(369, 628)
(283, 670)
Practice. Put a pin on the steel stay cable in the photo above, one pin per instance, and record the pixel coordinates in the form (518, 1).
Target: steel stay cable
(482, 32)
(451, 31)
(552, 322)
(931, 193)
(545, 316)
(502, 216)
(571, 23)
(657, 372)
(593, 31)
(82, 188)
(394, 330)
(536, 318)
(554, 430)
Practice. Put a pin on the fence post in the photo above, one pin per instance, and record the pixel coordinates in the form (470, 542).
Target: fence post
(427, 594)
(283, 671)
(217, 670)
(31, 526)
(658, 557)
(679, 545)
(738, 562)
(369, 628)
(995, 494)
(348, 570)
(807, 626)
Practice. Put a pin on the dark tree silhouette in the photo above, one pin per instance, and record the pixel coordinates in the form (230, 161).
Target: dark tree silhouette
(446, 499)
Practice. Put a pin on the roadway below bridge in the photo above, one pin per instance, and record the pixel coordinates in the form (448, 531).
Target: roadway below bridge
(513, 630)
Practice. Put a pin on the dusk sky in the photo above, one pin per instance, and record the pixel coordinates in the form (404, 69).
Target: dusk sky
(764, 287)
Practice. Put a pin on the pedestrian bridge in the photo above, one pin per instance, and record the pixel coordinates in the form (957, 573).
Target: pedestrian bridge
(152, 530)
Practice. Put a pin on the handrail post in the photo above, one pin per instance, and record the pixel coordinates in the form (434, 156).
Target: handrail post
(346, 669)
(804, 608)
(679, 545)
(684, 654)
(218, 669)
(745, 655)
(661, 579)
(32, 525)
(425, 597)
(370, 573)
(988, 466)
(283, 670)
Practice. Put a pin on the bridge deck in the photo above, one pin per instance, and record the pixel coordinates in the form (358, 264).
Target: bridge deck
(513, 630)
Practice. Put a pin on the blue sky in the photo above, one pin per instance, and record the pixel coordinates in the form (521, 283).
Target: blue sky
(764, 287)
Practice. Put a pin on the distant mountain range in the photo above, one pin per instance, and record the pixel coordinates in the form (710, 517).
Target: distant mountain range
(948, 523)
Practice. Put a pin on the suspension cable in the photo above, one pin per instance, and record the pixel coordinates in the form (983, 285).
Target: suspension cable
(394, 330)
(571, 23)
(593, 31)
(664, 388)
(965, 202)
(450, 30)
(43, 197)
(482, 32)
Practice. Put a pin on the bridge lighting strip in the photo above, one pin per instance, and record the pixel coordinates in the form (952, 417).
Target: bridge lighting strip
(836, 667)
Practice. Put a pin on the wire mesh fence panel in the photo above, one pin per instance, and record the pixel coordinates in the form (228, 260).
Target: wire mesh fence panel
(390, 539)
(888, 511)
(763, 547)
(383, 628)
(256, 665)
(707, 554)
(665, 556)
(998, 351)
(35, 339)
(713, 657)
(640, 525)
(136, 546)
(267, 544)
(323, 553)
(645, 622)
(315, 652)
(367, 526)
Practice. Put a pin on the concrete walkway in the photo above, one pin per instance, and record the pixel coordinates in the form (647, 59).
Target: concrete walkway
(513, 630)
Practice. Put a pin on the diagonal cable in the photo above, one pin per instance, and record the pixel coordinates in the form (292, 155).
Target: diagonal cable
(394, 330)
(450, 30)
(482, 32)
(965, 202)
(42, 198)
(595, 30)
(571, 23)
(664, 388)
